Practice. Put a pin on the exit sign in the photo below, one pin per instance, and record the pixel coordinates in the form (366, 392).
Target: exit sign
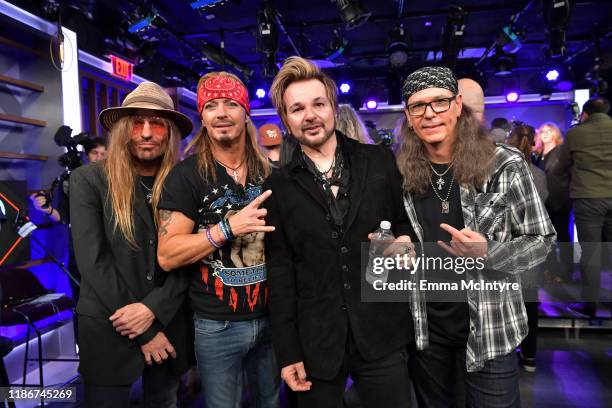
(122, 68)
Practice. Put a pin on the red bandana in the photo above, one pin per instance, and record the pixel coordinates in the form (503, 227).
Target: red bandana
(222, 87)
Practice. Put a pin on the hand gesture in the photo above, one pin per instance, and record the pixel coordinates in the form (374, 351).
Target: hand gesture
(251, 218)
(158, 349)
(295, 377)
(465, 243)
(39, 200)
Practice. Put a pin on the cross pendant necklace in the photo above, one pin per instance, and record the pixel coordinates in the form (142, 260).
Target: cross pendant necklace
(440, 183)
(233, 169)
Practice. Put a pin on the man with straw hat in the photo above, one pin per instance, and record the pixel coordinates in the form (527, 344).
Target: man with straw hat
(131, 316)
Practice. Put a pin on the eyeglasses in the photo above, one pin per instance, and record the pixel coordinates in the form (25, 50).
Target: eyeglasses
(156, 123)
(438, 106)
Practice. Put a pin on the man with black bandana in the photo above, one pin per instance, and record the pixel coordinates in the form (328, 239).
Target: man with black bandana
(325, 202)
(475, 200)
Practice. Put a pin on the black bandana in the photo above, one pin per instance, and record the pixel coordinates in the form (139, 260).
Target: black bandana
(429, 77)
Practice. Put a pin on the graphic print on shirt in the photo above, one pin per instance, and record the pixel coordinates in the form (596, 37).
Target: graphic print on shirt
(236, 271)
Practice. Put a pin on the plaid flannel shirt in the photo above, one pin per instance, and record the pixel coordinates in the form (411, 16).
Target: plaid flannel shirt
(510, 214)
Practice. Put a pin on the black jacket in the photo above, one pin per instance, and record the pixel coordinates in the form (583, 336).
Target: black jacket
(558, 181)
(113, 275)
(315, 271)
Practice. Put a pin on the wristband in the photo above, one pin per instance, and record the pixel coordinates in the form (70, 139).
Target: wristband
(227, 230)
(211, 239)
(223, 229)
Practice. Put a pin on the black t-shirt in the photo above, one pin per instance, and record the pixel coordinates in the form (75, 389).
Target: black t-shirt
(229, 284)
(448, 322)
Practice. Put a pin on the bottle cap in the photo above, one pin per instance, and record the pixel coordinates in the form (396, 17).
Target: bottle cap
(385, 225)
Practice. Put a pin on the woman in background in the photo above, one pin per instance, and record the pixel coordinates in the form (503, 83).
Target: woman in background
(558, 204)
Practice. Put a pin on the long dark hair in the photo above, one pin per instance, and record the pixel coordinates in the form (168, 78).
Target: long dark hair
(473, 155)
(523, 138)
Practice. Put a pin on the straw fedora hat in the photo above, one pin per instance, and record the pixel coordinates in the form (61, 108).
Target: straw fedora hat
(147, 96)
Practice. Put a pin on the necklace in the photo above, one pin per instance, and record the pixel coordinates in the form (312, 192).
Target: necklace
(440, 182)
(324, 172)
(445, 205)
(233, 169)
(148, 192)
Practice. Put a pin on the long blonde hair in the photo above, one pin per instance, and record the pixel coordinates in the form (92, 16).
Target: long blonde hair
(557, 136)
(121, 174)
(351, 124)
(200, 145)
(473, 155)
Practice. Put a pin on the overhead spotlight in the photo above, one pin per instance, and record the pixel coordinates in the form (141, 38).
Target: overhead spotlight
(512, 96)
(397, 47)
(345, 87)
(503, 64)
(556, 15)
(371, 104)
(352, 13)
(337, 45)
(552, 75)
(453, 35)
(260, 93)
(267, 40)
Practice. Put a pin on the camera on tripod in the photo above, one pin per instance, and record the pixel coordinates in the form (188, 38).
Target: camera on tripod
(70, 160)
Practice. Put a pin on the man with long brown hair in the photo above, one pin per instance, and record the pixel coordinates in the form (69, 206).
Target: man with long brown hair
(131, 315)
(327, 199)
(211, 225)
(462, 188)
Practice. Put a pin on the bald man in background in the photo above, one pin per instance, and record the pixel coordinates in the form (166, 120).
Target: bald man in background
(473, 96)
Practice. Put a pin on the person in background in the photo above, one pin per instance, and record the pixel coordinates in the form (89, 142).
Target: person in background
(558, 269)
(473, 96)
(349, 123)
(588, 154)
(523, 137)
(95, 149)
(500, 127)
(270, 138)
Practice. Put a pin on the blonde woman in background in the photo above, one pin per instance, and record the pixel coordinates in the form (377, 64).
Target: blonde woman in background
(558, 205)
(349, 123)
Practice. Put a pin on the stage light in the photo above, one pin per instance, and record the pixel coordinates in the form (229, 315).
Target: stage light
(345, 87)
(352, 13)
(428, 23)
(371, 104)
(552, 75)
(512, 96)
(260, 93)
(502, 63)
(397, 47)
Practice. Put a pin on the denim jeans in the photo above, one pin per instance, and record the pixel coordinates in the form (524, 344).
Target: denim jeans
(495, 386)
(593, 218)
(225, 351)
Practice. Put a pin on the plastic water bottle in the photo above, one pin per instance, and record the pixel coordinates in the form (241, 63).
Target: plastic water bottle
(381, 240)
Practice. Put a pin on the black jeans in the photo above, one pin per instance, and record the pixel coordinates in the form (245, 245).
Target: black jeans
(434, 377)
(380, 383)
(562, 265)
(593, 218)
(160, 388)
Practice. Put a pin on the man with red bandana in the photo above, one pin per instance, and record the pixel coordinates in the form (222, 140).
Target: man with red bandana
(211, 227)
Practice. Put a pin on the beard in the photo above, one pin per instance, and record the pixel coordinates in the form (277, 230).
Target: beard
(316, 142)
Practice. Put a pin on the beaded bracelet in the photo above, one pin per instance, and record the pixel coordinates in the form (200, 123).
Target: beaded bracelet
(211, 239)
